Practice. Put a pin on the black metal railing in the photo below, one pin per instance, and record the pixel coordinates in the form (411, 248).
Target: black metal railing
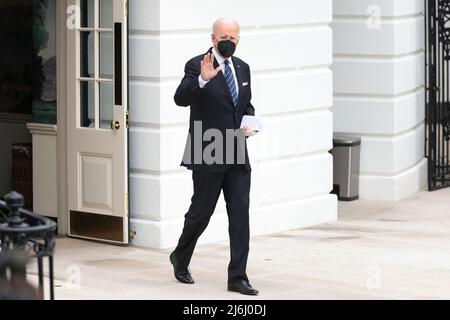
(24, 235)
(437, 92)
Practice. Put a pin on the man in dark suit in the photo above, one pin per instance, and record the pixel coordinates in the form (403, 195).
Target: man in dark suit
(216, 86)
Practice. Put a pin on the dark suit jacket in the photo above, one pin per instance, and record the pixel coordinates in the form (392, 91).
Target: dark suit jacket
(213, 106)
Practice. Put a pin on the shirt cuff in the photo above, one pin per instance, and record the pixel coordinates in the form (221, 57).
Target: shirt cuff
(202, 82)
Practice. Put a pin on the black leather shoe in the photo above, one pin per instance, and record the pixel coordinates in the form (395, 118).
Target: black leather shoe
(181, 274)
(243, 287)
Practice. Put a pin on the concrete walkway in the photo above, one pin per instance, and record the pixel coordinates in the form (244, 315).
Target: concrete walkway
(377, 250)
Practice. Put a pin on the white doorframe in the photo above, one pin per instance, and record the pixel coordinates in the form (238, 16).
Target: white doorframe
(61, 18)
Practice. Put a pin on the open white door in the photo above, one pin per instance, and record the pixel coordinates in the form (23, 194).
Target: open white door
(97, 120)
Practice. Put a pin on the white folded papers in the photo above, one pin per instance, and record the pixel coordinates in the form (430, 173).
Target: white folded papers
(253, 122)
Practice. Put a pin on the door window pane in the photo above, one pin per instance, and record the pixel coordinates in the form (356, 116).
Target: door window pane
(87, 54)
(87, 104)
(106, 105)
(97, 64)
(106, 55)
(106, 13)
(87, 12)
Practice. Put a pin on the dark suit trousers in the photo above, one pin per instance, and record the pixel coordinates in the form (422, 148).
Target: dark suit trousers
(235, 183)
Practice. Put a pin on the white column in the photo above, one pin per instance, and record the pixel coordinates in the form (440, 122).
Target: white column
(45, 164)
(378, 91)
(288, 47)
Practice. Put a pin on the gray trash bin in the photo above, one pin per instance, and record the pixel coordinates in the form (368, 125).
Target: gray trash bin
(346, 155)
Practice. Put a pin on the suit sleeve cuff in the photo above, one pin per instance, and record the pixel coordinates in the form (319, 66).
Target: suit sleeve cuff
(202, 82)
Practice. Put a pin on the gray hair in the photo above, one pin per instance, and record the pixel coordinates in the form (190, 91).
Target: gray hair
(225, 20)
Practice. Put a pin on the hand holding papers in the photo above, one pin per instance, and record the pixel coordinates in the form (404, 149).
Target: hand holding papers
(252, 122)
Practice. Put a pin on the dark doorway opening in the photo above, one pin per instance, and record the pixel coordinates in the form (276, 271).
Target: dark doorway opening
(437, 92)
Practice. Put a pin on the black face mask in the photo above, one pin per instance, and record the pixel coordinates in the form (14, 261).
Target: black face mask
(226, 48)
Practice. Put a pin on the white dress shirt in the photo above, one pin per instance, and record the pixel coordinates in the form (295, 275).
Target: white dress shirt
(221, 62)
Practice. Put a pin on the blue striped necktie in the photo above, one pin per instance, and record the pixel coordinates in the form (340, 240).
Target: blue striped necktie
(230, 82)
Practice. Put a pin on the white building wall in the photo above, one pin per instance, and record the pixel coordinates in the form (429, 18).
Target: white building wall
(289, 49)
(378, 91)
